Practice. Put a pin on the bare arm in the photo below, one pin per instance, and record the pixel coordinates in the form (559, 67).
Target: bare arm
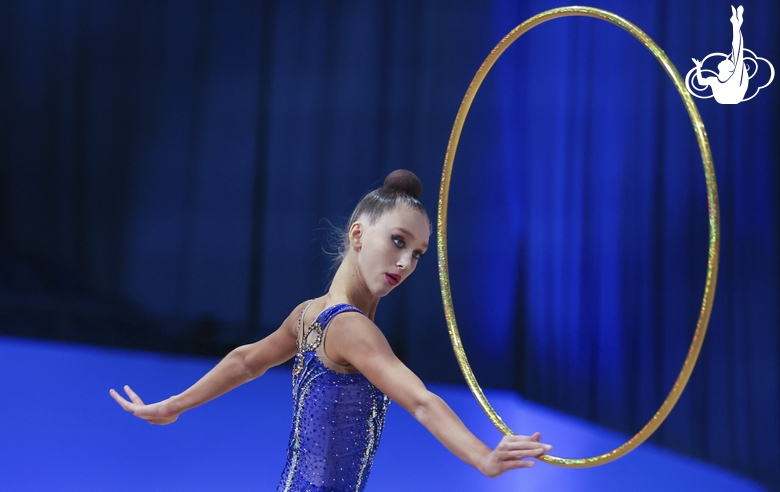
(238, 367)
(356, 340)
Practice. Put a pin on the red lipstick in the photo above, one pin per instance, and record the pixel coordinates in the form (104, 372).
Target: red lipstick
(393, 278)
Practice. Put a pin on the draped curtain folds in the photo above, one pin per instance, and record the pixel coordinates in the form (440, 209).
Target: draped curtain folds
(181, 157)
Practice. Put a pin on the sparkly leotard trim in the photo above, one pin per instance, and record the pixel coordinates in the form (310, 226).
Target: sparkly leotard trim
(337, 419)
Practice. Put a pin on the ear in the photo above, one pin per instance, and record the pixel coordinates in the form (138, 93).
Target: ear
(356, 235)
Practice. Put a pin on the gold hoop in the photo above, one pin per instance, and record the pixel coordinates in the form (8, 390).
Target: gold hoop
(713, 216)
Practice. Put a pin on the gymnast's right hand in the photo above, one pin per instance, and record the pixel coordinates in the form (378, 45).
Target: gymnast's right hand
(160, 413)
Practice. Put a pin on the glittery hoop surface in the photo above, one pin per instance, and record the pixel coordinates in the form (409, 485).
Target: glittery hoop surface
(713, 218)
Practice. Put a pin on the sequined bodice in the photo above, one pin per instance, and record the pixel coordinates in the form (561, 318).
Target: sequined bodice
(337, 421)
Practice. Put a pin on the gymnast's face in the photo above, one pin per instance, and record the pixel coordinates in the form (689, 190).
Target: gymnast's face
(388, 250)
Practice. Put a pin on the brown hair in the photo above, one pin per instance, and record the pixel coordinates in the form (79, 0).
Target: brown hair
(401, 187)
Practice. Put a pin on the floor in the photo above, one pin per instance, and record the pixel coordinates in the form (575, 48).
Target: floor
(60, 431)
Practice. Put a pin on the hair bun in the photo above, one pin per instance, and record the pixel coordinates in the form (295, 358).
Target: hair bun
(406, 181)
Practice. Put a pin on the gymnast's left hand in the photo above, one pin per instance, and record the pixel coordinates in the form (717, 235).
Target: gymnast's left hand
(160, 413)
(511, 453)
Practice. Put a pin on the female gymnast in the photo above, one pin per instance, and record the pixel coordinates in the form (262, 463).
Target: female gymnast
(345, 373)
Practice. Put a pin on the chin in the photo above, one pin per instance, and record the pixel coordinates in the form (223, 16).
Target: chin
(383, 291)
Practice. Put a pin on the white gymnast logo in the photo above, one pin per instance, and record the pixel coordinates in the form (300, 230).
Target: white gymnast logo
(735, 70)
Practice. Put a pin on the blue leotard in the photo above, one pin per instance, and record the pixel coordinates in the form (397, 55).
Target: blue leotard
(337, 420)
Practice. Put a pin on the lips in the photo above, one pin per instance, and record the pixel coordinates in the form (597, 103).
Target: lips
(393, 278)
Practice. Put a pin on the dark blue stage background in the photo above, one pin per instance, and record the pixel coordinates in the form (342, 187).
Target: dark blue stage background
(166, 168)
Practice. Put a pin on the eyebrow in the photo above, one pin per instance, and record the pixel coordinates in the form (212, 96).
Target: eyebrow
(408, 233)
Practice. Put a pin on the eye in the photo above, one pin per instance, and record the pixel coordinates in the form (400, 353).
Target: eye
(417, 254)
(399, 241)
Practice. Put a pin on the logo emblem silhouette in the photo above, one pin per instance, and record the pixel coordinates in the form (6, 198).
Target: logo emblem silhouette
(735, 71)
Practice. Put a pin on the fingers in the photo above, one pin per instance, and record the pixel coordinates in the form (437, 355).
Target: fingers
(518, 448)
(122, 402)
(154, 414)
(130, 406)
(518, 456)
(523, 442)
(514, 465)
(515, 453)
(136, 399)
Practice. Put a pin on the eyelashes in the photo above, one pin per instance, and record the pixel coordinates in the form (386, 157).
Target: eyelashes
(400, 243)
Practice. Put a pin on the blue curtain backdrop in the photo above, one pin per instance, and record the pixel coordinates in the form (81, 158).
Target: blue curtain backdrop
(167, 169)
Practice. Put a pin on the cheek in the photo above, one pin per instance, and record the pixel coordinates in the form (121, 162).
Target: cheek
(383, 249)
(375, 253)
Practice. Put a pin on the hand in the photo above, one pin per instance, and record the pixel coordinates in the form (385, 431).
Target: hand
(157, 413)
(696, 62)
(510, 454)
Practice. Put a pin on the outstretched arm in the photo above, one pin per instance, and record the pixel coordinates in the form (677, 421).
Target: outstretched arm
(239, 366)
(356, 340)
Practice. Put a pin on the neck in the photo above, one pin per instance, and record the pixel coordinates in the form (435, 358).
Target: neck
(348, 286)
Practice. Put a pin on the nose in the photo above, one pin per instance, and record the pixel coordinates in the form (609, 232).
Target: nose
(403, 262)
